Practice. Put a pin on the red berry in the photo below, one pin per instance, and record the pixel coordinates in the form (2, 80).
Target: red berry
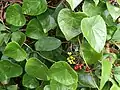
(87, 69)
(80, 67)
(76, 67)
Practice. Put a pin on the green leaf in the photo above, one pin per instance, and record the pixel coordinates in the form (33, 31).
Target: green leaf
(74, 3)
(69, 22)
(14, 15)
(110, 32)
(14, 51)
(34, 7)
(116, 35)
(86, 80)
(94, 30)
(63, 73)
(47, 21)
(12, 87)
(47, 87)
(115, 87)
(2, 36)
(36, 68)
(2, 27)
(3, 76)
(108, 18)
(29, 81)
(107, 86)
(89, 54)
(106, 71)
(113, 10)
(91, 10)
(47, 44)
(7, 37)
(34, 29)
(116, 73)
(96, 2)
(18, 37)
(54, 85)
(9, 70)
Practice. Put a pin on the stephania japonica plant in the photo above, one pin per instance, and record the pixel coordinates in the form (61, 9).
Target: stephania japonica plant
(59, 45)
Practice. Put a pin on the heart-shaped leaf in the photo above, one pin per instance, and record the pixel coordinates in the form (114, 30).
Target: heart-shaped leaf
(113, 10)
(89, 54)
(47, 21)
(94, 30)
(34, 7)
(9, 70)
(18, 37)
(91, 10)
(14, 51)
(74, 3)
(69, 22)
(34, 29)
(54, 85)
(29, 81)
(63, 73)
(36, 68)
(47, 44)
(14, 15)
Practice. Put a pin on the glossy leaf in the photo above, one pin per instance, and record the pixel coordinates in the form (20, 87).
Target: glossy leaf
(29, 81)
(63, 73)
(7, 68)
(14, 15)
(14, 51)
(34, 29)
(18, 37)
(47, 21)
(94, 30)
(113, 10)
(91, 10)
(89, 54)
(86, 80)
(36, 68)
(69, 22)
(106, 71)
(74, 3)
(47, 44)
(34, 7)
(54, 85)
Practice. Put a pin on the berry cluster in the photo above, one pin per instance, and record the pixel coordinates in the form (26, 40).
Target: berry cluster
(81, 66)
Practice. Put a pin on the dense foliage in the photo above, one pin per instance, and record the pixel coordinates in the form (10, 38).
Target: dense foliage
(60, 45)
